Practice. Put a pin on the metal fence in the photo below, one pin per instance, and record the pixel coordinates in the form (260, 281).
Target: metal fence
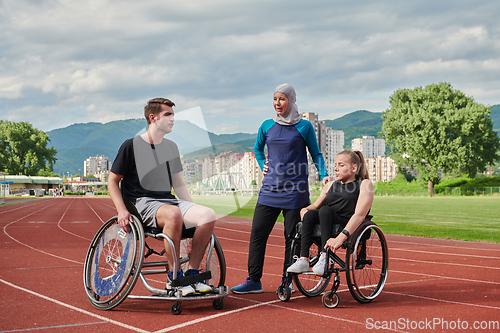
(447, 191)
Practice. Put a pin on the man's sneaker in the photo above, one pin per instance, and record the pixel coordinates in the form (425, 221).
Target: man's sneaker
(300, 266)
(319, 268)
(248, 287)
(170, 277)
(200, 287)
(186, 290)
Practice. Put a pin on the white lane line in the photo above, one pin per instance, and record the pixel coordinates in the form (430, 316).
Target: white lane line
(31, 247)
(443, 300)
(443, 277)
(60, 220)
(74, 307)
(443, 253)
(21, 207)
(443, 263)
(393, 249)
(451, 246)
(259, 304)
(102, 221)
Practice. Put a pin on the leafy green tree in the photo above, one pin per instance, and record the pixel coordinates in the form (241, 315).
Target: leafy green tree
(439, 128)
(23, 149)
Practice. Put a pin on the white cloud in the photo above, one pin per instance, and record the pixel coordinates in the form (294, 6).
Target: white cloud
(65, 61)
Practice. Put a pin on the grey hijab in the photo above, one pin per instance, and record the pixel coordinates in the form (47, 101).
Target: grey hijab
(292, 116)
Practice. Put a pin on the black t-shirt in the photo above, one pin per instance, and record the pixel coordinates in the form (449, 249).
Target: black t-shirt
(343, 197)
(147, 169)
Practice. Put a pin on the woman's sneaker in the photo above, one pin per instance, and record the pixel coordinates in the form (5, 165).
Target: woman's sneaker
(248, 287)
(319, 268)
(300, 266)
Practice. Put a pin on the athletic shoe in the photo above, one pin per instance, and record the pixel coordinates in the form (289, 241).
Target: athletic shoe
(319, 268)
(170, 277)
(186, 290)
(248, 287)
(300, 266)
(200, 287)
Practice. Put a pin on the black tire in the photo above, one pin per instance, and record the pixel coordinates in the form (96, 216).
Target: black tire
(113, 263)
(309, 284)
(284, 293)
(331, 299)
(218, 303)
(216, 263)
(367, 262)
(176, 308)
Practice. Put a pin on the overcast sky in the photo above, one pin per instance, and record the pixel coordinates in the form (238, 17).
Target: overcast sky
(72, 61)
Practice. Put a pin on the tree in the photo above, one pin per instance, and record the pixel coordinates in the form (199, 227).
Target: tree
(23, 149)
(438, 128)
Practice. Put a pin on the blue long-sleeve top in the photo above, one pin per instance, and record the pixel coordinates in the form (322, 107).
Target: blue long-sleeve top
(286, 183)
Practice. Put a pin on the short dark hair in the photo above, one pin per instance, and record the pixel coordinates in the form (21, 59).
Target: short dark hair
(154, 106)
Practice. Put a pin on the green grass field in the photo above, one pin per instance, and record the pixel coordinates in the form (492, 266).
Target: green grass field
(463, 218)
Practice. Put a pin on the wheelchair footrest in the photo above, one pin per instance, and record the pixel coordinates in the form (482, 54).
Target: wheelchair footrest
(191, 279)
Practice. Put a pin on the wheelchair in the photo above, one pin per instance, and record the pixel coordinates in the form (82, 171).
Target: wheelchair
(116, 260)
(366, 265)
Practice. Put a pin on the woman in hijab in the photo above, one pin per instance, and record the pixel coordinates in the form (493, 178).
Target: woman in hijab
(285, 185)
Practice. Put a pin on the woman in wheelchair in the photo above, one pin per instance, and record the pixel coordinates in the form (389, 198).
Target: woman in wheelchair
(346, 201)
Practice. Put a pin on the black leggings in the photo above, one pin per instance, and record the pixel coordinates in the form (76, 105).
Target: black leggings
(326, 217)
(264, 218)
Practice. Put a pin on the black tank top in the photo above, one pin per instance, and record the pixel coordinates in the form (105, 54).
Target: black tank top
(343, 197)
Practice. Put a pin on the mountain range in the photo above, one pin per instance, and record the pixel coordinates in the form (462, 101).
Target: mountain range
(77, 142)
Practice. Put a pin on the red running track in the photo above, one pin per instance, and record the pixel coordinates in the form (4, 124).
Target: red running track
(433, 285)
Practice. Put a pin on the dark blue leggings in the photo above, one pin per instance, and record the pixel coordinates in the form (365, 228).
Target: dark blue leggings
(326, 217)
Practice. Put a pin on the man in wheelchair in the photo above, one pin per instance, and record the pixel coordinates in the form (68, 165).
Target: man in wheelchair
(148, 167)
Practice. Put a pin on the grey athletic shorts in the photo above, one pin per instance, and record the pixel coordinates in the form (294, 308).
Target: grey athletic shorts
(147, 207)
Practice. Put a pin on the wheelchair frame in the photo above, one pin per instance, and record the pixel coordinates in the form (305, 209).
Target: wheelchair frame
(363, 262)
(120, 256)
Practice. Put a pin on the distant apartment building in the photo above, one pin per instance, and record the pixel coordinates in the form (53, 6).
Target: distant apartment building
(99, 166)
(192, 172)
(369, 146)
(250, 170)
(237, 170)
(381, 169)
(334, 145)
(330, 142)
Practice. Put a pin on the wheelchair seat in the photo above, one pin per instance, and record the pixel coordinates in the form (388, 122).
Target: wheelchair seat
(153, 231)
(336, 228)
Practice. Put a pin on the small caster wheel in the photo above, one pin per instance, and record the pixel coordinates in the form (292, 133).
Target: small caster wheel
(284, 293)
(218, 303)
(331, 299)
(176, 308)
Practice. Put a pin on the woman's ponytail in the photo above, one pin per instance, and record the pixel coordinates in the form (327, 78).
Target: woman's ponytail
(362, 172)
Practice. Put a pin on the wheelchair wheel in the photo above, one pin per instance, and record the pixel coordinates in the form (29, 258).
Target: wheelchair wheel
(310, 284)
(367, 262)
(284, 293)
(331, 299)
(113, 262)
(214, 262)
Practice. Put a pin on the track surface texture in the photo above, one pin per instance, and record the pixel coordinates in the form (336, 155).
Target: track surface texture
(433, 285)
